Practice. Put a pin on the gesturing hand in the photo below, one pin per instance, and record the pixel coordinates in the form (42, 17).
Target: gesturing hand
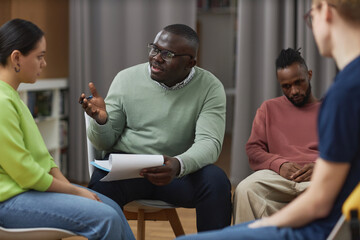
(94, 107)
(162, 175)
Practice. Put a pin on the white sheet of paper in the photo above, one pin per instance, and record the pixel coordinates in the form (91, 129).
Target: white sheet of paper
(125, 166)
(102, 164)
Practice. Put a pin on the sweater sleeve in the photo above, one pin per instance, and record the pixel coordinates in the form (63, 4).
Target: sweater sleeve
(16, 160)
(209, 132)
(103, 137)
(257, 145)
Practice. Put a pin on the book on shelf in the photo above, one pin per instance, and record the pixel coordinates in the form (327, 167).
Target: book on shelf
(126, 166)
(64, 102)
(63, 128)
(40, 103)
(64, 161)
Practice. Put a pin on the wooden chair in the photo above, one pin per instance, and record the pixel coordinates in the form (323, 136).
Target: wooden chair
(141, 210)
(348, 226)
(155, 210)
(351, 211)
(34, 233)
(340, 231)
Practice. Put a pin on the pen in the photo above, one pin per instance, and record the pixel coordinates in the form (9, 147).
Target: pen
(88, 98)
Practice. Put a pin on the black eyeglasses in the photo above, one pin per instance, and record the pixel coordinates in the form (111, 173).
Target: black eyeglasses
(308, 18)
(166, 55)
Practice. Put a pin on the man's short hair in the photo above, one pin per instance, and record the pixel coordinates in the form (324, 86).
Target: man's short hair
(184, 31)
(289, 56)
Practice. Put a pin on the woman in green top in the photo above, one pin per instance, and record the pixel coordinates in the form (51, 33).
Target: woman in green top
(33, 191)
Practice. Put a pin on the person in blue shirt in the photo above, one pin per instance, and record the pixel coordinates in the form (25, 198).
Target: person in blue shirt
(336, 27)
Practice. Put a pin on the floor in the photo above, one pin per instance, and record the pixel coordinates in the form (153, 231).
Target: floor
(161, 230)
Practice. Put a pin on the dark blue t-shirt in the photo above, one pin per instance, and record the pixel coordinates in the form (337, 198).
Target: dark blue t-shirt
(339, 131)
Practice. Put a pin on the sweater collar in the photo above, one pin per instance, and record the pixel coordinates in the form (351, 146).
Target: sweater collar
(307, 105)
(178, 85)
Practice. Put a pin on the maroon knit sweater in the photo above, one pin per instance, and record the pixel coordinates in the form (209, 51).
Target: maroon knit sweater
(282, 132)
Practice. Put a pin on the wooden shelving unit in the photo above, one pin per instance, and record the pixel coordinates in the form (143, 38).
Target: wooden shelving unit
(53, 124)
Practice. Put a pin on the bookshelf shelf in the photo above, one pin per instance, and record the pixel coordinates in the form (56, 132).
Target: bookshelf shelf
(44, 119)
(47, 101)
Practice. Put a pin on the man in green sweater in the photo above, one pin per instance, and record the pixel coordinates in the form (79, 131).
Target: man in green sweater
(167, 106)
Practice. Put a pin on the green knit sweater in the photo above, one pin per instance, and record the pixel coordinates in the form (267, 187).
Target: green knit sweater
(24, 159)
(145, 118)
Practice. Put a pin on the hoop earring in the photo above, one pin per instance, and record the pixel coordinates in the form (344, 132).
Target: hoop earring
(17, 70)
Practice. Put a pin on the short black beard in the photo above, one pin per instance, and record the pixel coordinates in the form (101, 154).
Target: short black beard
(306, 98)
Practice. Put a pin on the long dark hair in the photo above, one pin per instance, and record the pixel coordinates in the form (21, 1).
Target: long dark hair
(18, 34)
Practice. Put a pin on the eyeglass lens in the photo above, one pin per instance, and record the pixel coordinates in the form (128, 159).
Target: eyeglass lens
(165, 55)
(308, 18)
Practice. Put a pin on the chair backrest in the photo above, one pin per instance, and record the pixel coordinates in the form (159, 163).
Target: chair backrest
(341, 230)
(91, 151)
(351, 211)
(348, 226)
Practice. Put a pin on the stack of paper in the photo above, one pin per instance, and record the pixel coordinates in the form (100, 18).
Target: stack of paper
(125, 166)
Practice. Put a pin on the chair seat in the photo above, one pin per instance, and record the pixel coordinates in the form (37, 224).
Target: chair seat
(147, 205)
(34, 233)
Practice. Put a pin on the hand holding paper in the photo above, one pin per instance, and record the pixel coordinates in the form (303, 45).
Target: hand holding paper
(162, 175)
(125, 166)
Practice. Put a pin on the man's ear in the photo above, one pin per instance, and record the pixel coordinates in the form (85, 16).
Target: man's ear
(191, 63)
(310, 75)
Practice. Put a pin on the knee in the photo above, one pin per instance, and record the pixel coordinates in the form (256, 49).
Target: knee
(215, 179)
(110, 214)
(110, 220)
(101, 221)
(245, 186)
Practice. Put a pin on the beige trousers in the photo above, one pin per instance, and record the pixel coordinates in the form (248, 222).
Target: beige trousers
(263, 193)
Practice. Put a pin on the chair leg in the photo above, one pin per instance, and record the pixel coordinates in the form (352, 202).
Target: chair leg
(354, 225)
(141, 225)
(175, 222)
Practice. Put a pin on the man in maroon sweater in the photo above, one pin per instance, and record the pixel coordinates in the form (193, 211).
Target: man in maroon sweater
(283, 144)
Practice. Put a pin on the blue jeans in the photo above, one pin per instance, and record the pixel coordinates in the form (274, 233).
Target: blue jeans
(243, 232)
(208, 190)
(83, 216)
